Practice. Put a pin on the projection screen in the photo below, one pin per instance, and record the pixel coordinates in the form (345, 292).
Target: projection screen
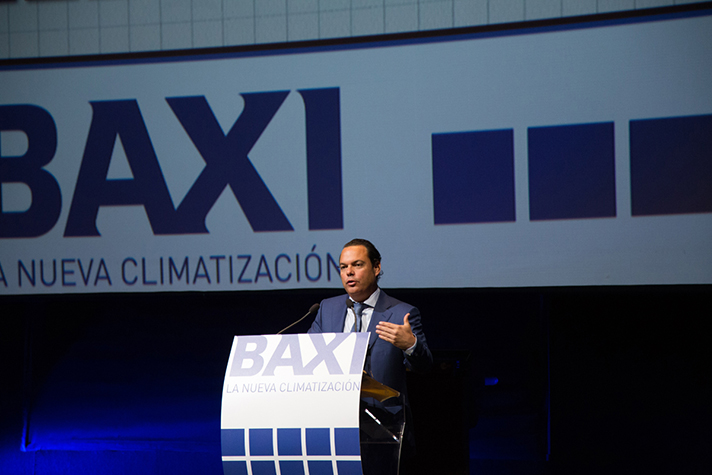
(559, 155)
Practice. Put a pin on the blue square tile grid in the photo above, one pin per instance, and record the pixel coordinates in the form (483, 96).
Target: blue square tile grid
(291, 451)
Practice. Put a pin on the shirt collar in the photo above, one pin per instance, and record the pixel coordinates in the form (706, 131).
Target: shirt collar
(373, 299)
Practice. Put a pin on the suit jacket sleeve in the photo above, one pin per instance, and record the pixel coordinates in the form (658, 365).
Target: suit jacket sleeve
(421, 359)
(330, 317)
(317, 323)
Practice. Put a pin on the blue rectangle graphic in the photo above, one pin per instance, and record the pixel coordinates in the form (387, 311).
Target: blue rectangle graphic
(321, 467)
(347, 441)
(263, 467)
(261, 442)
(291, 467)
(572, 171)
(233, 442)
(318, 441)
(671, 165)
(289, 441)
(473, 177)
(234, 467)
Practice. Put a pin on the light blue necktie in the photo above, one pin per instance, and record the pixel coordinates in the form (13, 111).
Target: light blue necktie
(358, 310)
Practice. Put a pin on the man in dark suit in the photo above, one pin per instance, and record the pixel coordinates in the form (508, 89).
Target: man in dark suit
(397, 341)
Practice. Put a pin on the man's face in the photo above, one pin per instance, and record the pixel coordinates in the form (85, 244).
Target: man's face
(358, 275)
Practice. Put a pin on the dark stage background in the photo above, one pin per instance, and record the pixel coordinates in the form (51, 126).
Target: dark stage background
(587, 379)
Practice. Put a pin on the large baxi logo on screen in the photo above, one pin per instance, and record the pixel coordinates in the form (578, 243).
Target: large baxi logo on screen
(226, 164)
(571, 168)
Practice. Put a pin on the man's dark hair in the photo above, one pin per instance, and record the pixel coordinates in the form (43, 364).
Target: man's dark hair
(373, 255)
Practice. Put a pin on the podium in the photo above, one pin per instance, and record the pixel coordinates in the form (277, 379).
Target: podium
(301, 405)
(381, 427)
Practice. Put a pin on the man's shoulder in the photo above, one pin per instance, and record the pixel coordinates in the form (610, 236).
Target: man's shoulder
(333, 302)
(384, 300)
(390, 302)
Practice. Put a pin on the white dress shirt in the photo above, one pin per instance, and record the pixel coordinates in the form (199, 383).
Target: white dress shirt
(366, 313)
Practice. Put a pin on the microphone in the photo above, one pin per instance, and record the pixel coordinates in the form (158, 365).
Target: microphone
(313, 309)
(349, 303)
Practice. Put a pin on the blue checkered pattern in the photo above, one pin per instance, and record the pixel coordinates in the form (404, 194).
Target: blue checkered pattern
(298, 451)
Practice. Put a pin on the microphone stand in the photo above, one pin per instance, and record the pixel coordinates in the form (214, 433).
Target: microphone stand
(313, 309)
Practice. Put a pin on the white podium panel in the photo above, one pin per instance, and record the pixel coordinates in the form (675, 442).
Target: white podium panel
(290, 404)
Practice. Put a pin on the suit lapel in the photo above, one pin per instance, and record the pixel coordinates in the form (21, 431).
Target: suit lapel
(381, 313)
(342, 321)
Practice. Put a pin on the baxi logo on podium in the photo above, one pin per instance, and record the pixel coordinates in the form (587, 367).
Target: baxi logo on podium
(291, 404)
(251, 356)
(226, 164)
